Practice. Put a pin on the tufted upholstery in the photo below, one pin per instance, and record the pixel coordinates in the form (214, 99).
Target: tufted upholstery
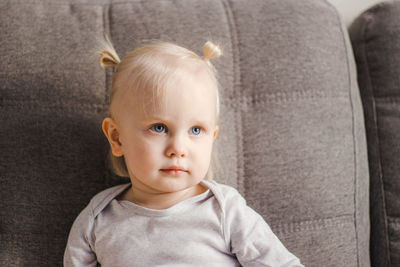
(292, 136)
(375, 36)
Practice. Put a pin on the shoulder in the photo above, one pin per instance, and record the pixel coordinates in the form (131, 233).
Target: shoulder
(226, 195)
(233, 205)
(81, 239)
(84, 221)
(103, 198)
(236, 215)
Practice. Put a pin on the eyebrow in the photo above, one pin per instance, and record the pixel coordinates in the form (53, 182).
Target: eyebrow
(194, 122)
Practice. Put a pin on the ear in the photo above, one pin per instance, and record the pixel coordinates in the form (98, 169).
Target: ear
(215, 132)
(111, 131)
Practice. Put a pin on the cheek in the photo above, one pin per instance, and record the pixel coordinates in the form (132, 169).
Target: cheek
(203, 153)
(141, 153)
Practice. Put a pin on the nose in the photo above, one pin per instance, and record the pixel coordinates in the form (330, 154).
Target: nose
(176, 148)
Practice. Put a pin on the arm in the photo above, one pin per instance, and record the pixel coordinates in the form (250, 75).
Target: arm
(79, 250)
(251, 239)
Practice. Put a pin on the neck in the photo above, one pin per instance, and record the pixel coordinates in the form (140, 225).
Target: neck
(154, 199)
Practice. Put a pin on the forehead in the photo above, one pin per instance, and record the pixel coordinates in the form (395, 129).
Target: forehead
(187, 96)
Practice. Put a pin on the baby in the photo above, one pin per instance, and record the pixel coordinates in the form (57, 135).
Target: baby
(163, 121)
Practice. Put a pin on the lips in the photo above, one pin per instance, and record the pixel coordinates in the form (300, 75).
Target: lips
(174, 170)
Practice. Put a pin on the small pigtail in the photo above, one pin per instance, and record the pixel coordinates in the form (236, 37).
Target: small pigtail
(211, 51)
(108, 58)
(108, 55)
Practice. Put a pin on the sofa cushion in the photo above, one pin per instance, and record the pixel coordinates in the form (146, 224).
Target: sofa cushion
(375, 36)
(292, 136)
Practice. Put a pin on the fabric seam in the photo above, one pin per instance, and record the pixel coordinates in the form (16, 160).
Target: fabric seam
(380, 177)
(236, 84)
(229, 19)
(353, 131)
(106, 30)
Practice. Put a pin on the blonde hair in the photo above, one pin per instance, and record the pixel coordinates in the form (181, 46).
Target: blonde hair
(150, 67)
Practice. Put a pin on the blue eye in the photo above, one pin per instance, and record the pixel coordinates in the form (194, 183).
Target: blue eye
(158, 128)
(196, 130)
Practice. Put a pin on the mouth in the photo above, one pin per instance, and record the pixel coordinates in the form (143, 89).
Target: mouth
(174, 170)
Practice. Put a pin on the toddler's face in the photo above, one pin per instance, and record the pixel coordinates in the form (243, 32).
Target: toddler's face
(179, 133)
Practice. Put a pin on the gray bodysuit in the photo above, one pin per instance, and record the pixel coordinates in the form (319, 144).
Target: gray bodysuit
(215, 228)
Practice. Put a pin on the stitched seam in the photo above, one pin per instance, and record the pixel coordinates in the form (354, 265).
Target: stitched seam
(282, 97)
(255, 103)
(29, 104)
(237, 84)
(229, 19)
(388, 100)
(18, 237)
(273, 98)
(33, 2)
(380, 177)
(341, 26)
(106, 30)
(51, 102)
(310, 225)
(356, 184)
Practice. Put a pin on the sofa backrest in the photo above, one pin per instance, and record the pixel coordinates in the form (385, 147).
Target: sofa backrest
(292, 136)
(375, 37)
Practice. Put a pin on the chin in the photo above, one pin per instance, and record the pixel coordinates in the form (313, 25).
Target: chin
(174, 186)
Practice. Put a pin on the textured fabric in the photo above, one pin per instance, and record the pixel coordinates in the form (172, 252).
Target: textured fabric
(292, 137)
(215, 228)
(375, 38)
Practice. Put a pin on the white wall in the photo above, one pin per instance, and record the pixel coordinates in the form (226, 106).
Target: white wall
(350, 9)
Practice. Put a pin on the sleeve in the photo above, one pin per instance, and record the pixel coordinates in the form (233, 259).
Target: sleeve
(79, 250)
(251, 239)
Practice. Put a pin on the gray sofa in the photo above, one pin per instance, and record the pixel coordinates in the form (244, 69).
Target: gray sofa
(293, 136)
(375, 37)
